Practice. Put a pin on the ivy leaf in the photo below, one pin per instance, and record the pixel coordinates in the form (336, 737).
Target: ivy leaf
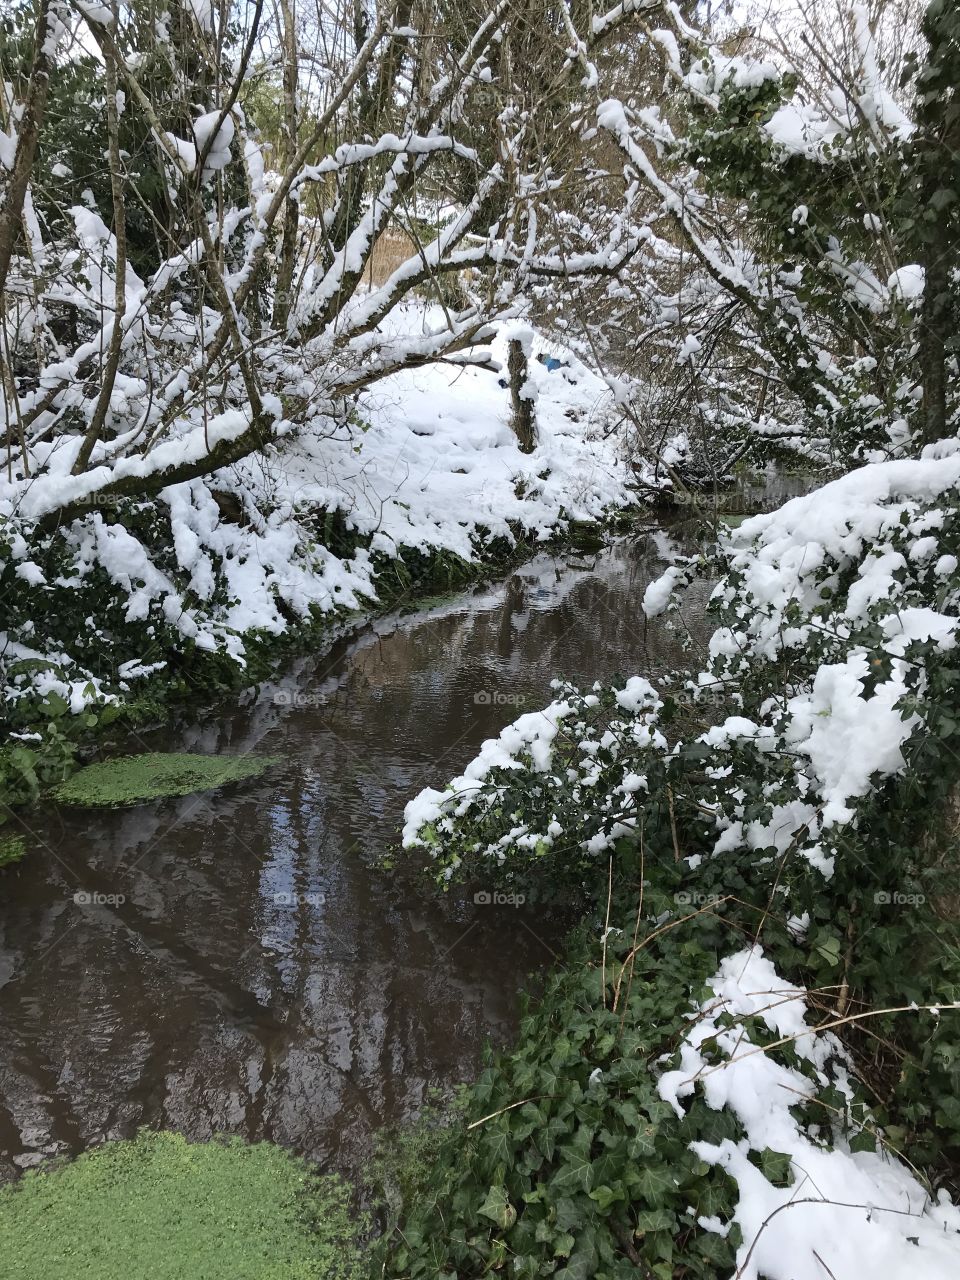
(654, 1220)
(863, 1141)
(715, 1248)
(563, 1245)
(653, 1182)
(605, 1196)
(498, 1208)
(774, 1165)
(829, 948)
(570, 1216)
(576, 1172)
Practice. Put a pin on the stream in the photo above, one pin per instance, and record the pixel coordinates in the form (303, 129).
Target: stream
(236, 962)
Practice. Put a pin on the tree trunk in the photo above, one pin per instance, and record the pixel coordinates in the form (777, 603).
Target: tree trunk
(28, 134)
(291, 209)
(523, 422)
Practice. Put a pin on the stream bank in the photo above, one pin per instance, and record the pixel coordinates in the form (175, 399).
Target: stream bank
(233, 961)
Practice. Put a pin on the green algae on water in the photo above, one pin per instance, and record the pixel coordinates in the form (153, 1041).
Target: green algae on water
(161, 1208)
(153, 776)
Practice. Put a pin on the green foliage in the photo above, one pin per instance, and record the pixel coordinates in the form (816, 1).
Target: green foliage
(86, 617)
(929, 210)
(812, 227)
(154, 776)
(176, 75)
(12, 849)
(565, 1160)
(406, 1156)
(640, 781)
(43, 731)
(161, 1208)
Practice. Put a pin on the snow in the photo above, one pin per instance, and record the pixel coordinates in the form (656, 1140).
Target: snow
(843, 727)
(429, 462)
(439, 459)
(849, 738)
(812, 129)
(657, 596)
(51, 491)
(531, 742)
(717, 71)
(907, 283)
(800, 130)
(8, 148)
(31, 573)
(210, 130)
(688, 349)
(530, 736)
(186, 151)
(844, 1213)
(638, 694)
(840, 520)
(91, 229)
(846, 725)
(668, 45)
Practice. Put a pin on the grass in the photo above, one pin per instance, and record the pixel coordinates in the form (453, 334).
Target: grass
(161, 1208)
(138, 779)
(12, 849)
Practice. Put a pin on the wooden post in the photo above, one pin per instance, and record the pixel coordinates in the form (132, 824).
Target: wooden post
(522, 420)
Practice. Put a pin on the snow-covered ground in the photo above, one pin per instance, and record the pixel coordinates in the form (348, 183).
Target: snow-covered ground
(844, 1213)
(439, 466)
(427, 461)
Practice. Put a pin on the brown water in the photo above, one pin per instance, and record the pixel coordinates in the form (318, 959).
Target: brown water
(255, 973)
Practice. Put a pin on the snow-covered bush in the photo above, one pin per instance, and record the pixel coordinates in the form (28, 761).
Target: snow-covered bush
(315, 527)
(674, 1106)
(797, 820)
(837, 621)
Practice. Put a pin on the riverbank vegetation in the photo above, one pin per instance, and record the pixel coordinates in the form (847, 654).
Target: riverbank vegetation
(277, 290)
(748, 1063)
(768, 985)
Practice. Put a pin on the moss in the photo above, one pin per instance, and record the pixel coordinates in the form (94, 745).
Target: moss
(587, 535)
(161, 1208)
(733, 522)
(12, 849)
(153, 776)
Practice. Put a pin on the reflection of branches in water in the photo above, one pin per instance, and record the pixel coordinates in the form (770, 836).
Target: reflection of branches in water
(322, 1041)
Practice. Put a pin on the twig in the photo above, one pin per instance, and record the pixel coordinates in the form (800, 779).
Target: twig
(522, 1103)
(606, 928)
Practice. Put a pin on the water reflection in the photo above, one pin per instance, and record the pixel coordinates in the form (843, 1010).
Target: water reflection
(245, 968)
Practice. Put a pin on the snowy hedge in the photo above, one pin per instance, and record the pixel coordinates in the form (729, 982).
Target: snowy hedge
(785, 794)
(837, 620)
(427, 466)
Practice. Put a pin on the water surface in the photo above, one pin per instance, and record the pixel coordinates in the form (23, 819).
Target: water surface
(242, 966)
